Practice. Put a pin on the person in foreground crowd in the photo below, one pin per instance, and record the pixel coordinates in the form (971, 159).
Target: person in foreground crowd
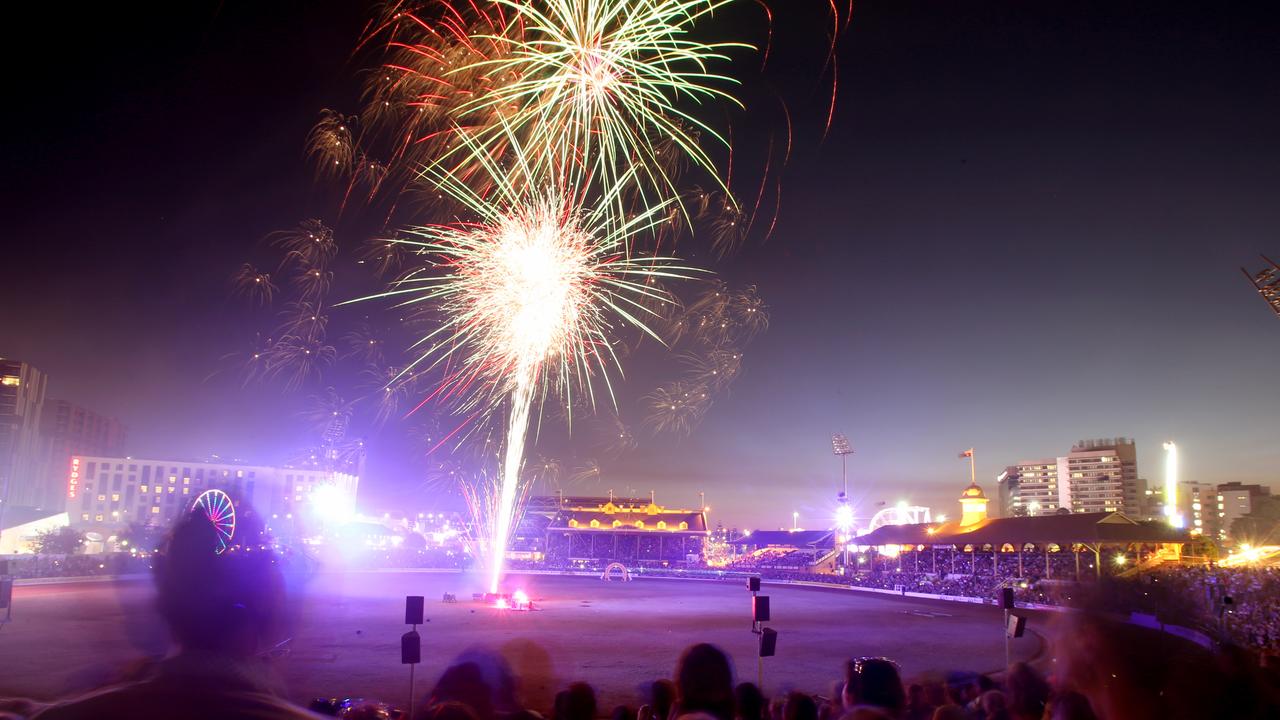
(222, 610)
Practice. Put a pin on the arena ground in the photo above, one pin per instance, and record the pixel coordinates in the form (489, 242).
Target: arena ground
(70, 637)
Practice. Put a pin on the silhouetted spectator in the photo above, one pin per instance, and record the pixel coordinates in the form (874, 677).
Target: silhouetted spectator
(450, 710)
(750, 702)
(222, 608)
(800, 706)
(463, 683)
(662, 697)
(874, 682)
(918, 707)
(622, 712)
(578, 702)
(1028, 693)
(704, 681)
(994, 705)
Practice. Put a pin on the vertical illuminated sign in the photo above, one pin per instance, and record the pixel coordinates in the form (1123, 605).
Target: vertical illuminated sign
(73, 481)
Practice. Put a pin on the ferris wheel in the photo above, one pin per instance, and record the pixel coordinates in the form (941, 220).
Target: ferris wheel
(216, 505)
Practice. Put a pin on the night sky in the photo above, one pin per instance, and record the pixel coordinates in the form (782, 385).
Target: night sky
(1024, 228)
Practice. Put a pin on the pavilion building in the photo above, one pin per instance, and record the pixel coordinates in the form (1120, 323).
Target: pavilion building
(634, 532)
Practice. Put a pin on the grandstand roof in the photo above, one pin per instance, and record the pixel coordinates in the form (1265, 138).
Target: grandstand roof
(1092, 528)
(787, 538)
(612, 518)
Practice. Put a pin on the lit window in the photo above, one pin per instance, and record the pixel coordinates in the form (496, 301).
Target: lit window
(173, 479)
(186, 491)
(595, 523)
(84, 516)
(102, 498)
(98, 518)
(10, 381)
(155, 509)
(171, 490)
(186, 481)
(115, 497)
(239, 473)
(144, 488)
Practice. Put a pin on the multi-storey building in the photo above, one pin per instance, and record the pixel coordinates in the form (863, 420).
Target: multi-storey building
(1030, 488)
(22, 389)
(1198, 503)
(105, 494)
(67, 429)
(1102, 476)
(1096, 476)
(1234, 501)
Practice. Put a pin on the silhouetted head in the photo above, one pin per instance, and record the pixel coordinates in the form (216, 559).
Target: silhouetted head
(875, 682)
(662, 695)
(228, 602)
(750, 701)
(704, 679)
(1028, 692)
(464, 683)
(448, 711)
(800, 707)
(577, 702)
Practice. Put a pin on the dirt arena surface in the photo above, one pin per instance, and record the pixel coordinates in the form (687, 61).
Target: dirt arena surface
(618, 636)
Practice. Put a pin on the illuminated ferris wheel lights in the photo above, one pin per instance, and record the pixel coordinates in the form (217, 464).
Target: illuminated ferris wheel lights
(217, 507)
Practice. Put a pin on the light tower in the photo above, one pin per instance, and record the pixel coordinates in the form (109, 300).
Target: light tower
(840, 446)
(844, 512)
(1171, 484)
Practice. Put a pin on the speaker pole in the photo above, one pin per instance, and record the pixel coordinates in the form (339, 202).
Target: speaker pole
(411, 642)
(1006, 641)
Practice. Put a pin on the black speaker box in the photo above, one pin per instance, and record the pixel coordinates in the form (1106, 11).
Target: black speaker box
(760, 608)
(768, 642)
(1006, 598)
(1017, 626)
(753, 584)
(410, 648)
(413, 609)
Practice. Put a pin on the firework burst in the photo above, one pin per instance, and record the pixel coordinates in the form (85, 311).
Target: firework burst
(677, 407)
(531, 294)
(603, 80)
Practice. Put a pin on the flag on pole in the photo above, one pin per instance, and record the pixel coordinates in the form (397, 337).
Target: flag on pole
(967, 453)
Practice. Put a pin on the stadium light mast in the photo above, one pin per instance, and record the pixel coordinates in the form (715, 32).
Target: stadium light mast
(840, 446)
(844, 512)
(1171, 484)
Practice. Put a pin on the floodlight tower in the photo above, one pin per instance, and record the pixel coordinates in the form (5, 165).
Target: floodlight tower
(844, 513)
(840, 446)
(1171, 484)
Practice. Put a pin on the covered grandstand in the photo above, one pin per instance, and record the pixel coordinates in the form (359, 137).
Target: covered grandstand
(632, 531)
(808, 550)
(976, 544)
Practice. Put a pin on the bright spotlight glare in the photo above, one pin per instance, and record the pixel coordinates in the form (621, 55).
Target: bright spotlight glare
(844, 517)
(331, 504)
